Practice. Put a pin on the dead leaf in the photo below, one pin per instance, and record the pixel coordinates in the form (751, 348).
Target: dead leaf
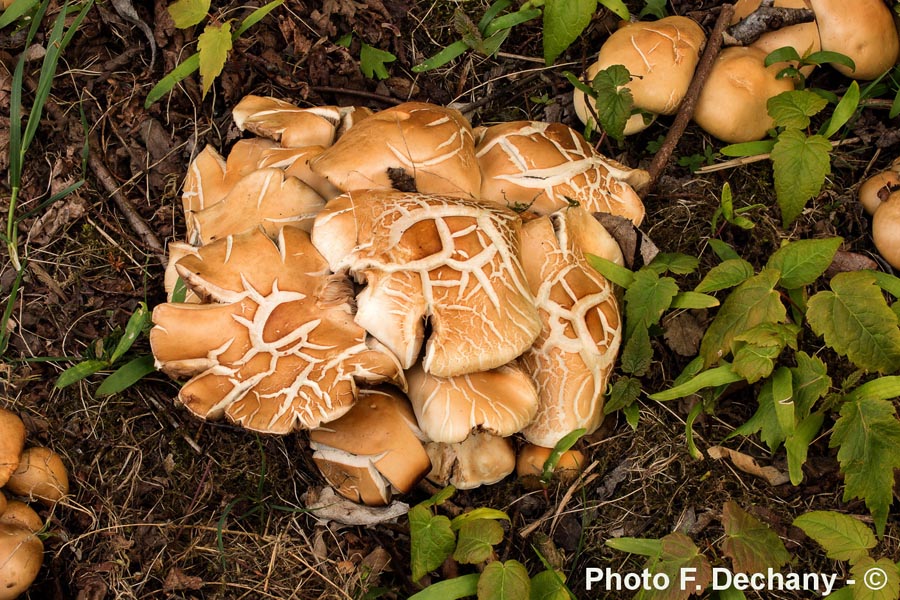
(376, 561)
(57, 217)
(176, 579)
(849, 261)
(683, 332)
(748, 464)
(637, 247)
(328, 506)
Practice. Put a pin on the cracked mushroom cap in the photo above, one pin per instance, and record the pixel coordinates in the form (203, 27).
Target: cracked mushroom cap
(548, 166)
(803, 37)
(278, 349)
(287, 123)
(480, 459)
(412, 147)
(571, 360)
(452, 260)
(864, 30)
(501, 401)
(373, 448)
(12, 441)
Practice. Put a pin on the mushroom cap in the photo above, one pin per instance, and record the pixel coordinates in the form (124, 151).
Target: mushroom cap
(280, 351)
(571, 359)
(12, 440)
(660, 56)
(177, 251)
(414, 146)
(480, 459)
(20, 514)
(864, 30)
(886, 229)
(295, 163)
(876, 189)
(380, 429)
(41, 476)
(636, 122)
(732, 104)
(803, 37)
(21, 555)
(287, 123)
(548, 166)
(455, 261)
(531, 459)
(501, 401)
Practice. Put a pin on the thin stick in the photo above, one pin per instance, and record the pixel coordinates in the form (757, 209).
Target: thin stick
(661, 158)
(746, 160)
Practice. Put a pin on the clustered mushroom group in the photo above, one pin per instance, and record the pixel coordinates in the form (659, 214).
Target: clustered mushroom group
(34, 474)
(411, 290)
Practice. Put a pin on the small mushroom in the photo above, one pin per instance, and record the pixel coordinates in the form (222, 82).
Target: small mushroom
(543, 167)
(864, 30)
(374, 449)
(480, 459)
(12, 440)
(876, 189)
(732, 104)
(531, 460)
(21, 555)
(41, 476)
(20, 514)
(886, 229)
(286, 123)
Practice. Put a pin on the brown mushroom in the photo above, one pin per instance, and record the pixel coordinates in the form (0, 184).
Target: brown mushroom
(21, 555)
(20, 514)
(41, 476)
(531, 460)
(480, 459)
(886, 229)
(455, 261)
(411, 147)
(286, 123)
(374, 449)
(864, 30)
(802, 37)
(295, 163)
(547, 166)
(278, 350)
(12, 440)
(876, 189)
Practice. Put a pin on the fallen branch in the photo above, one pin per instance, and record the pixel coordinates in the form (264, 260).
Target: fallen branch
(764, 19)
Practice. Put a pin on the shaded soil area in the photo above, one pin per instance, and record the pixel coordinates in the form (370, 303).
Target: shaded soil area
(166, 506)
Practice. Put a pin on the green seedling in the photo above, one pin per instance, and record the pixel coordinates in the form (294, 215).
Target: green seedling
(372, 61)
(561, 447)
(730, 214)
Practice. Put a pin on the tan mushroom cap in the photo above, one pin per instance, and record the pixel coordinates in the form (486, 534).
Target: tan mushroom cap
(480, 459)
(20, 514)
(732, 104)
(379, 430)
(876, 189)
(864, 30)
(41, 476)
(21, 555)
(295, 163)
(660, 56)
(886, 229)
(287, 123)
(531, 459)
(803, 37)
(177, 251)
(571, 360)
(548, 166)
(414, 146)
(636, 122)
(455, 261)
(12, 441)
(282, 352)
(501, 401)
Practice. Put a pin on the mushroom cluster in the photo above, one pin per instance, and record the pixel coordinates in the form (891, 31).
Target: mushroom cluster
(32, 474)
(880, 197)
(412, 291)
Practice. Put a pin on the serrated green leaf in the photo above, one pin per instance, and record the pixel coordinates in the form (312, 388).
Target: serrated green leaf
(187, 13)
(845, 109)
(451, 589)
(126, 376)
(624, 392)
(613, 101)
(678, 553)
(476, 515)
(549, 585)
(564, 20)
(794, 108)
(771, 334)
(753, 302)
(800, 164)
(721, 375)
(477, 540)
(504, 581)
(372, 61)
(693, 300)
(646, 299)
(638, 353)
(750, 544)
(723, 250)
(674, 262)
(431, 541)
(842, 536)
(213, 45)
(810, 382)
(797, 444)
(79, 372)
(754, 362)
(641, 546)
(804, 261)
(867, 436)
(875, 579)
(138, 321)
(727, 274)
(618, 274)
(855, 321)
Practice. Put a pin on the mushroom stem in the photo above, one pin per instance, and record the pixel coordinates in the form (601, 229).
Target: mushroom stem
(764, 19)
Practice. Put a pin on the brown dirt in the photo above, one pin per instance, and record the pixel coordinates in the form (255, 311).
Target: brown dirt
(164, 506)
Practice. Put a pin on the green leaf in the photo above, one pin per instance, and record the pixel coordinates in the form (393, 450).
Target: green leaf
(726, 274)
(372, 61)
(884, 583)
(439, 498)
(638, 353)
(826, 56)
(618, 7)
(442, 58)
(750, 544)
(804, 261)
(748, 148)
(613, 101)
(255, 17)
(721, 375)
(723, 250)
(842, 536)
(179, 291)
(624, 392)
(646, 299)
(654, 8)
(845, 109)
(811, 382)
(79, 372)
(451, 589)
(801, 164)
(139, 320)
(16, 10)
(504, 581)
(783, 399)
(674, 262)
(641, 546)
(505, 22)
(867, 436)
(887, 282)
(562, 446)
(855, 321)
(753, 302)
(492, 12)
(678, 553)
(797, 444)
(126, 376)
(564, 20)
(771, 334)
(477, 540)
(753, 362)
(883, 388)
(783, 54)
(793, 109)
(764, 420)
(617, 274)
(477, 514)
(431, 540)
(549, 585)
(187, 13)
(213, 45)
(165, 85)
(693, 300)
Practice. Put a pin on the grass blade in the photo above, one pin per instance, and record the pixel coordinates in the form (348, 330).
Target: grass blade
(133, 330)
(126, 376)
(16, 10)
(255, 17)
(79, 372)
(442, 58)
(165, 85)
